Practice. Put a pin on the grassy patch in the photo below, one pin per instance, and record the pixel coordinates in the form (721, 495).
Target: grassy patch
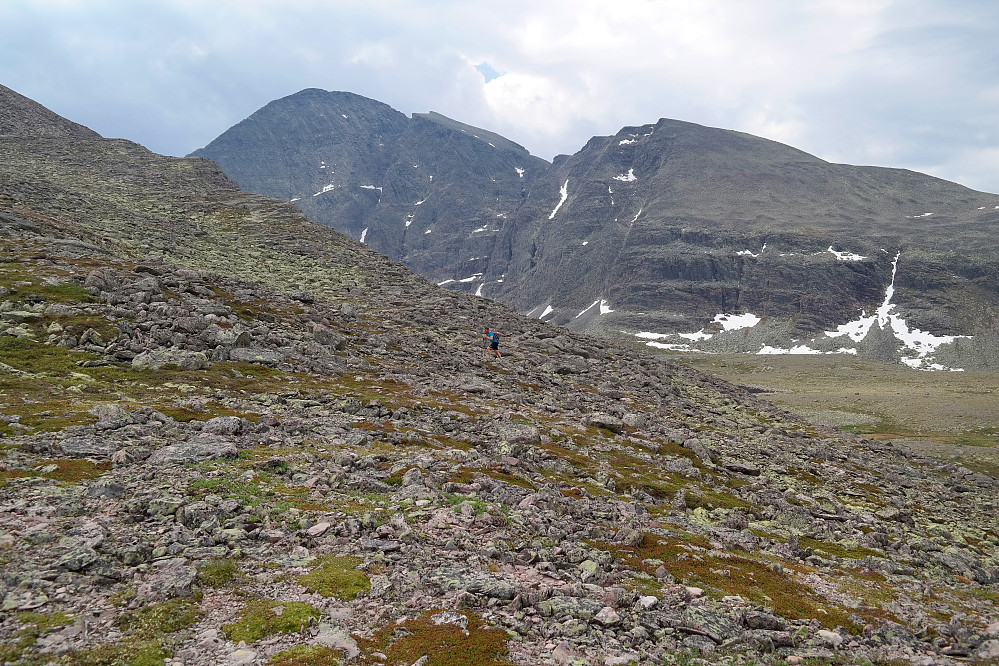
(337, 577)
(32, 627)
(443, 644)
(264, 617)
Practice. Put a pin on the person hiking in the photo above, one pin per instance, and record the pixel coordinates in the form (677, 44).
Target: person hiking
(492, 340)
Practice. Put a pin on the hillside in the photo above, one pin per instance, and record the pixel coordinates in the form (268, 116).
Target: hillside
(666, 227)
(232, 435)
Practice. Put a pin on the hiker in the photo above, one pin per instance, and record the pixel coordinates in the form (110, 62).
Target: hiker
(492, 340)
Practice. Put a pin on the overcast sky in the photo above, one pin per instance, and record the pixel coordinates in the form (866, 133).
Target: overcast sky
(906, 83)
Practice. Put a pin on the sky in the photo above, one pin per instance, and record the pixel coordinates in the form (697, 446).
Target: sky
(898, 83)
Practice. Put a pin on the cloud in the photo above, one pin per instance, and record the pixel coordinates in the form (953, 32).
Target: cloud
(908, 83)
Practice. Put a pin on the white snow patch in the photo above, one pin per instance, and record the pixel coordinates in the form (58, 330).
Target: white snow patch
(625, 142)
(488, 143)
(296, 199)
(427, 232)
(627, 177)
(735, 322)
(471, 278)
(586, 242)
(520, 172)
(370, 187)
(846, 256)
(751, 253)
(343, 115)
(645, 335)
(564, 191)
(671, 346)
(694, 337)
(914, 217)
(635, 219)
(441, 284)
(409, 220)
(604, 307)
(548, 310)
(326, 188)
(419, 202)
(481, 229)
(364, 234)
(478, 292)
(799, 349)
(922, 343)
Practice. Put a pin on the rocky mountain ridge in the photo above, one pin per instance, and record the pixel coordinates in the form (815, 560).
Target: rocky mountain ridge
(234, 436)
(659, 229)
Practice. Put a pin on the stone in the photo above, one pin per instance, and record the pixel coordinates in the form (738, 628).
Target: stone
(194, 450)
(256, 355)
(241, 657)
(608, 617)
(318, 529)
(223, 425)
(157, 358)
(830, 638)
(336, 638)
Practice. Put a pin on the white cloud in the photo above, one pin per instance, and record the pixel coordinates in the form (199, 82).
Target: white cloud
(908, 83)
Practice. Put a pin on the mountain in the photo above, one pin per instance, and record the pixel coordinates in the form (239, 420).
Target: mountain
(233, 435)
(422, 189)
(665, 229)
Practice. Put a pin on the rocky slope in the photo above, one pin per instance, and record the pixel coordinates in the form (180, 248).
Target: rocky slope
(233, 436)
(658, 229)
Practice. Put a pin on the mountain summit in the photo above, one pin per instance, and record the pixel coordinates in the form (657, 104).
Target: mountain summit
(688, 235)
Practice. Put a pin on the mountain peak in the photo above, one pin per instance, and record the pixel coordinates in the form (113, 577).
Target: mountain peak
(24, 117)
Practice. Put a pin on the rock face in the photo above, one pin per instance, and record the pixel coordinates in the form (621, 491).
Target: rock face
(657, 229)
(365, 479)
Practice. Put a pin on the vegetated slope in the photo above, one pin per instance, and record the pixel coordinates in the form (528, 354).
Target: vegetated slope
(425, 190)
(223, 423)
(667, 224)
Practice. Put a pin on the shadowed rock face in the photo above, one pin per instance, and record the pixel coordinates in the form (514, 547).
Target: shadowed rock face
(220, 421)
(666, 222)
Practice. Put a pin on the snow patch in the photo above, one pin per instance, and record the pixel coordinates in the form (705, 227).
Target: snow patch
(604, 308)
(419, 202)
(478, 292)
(471, 278)
(370, 187)
(694, 337)
(326, 188)
(586, 242)
(427, 232)
(548, 310)
(799, 349)
(409, 219)
(625, 142)
(564, 191)
(296, 199)
(520, 172)
(735, 322)
(627, 177)
(441, 284)
(846, 256)
(364, 234)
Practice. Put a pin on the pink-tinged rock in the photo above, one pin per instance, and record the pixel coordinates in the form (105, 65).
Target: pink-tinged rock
(318, 529)
(693, 592)
(607, 616)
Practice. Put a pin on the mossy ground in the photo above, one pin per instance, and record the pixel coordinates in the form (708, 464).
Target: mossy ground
(260, 618)
(307, 655)
(337, 577)
(218, 573)
(442, 644)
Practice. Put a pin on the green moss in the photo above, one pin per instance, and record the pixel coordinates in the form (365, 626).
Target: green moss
(443, 644)
(337, 577)
(218, 573)
(307, 655)
(163, 618)
(264, 617)
(130, 651)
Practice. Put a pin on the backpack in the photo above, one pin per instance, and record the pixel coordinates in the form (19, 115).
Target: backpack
(495, 336)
